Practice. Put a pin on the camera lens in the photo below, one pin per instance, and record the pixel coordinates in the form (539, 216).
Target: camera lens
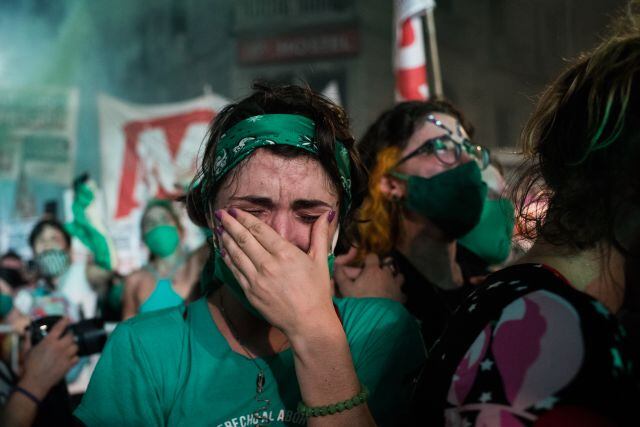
(89, 334)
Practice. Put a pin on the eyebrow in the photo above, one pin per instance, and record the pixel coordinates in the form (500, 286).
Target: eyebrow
(309, 204)
(297, 204)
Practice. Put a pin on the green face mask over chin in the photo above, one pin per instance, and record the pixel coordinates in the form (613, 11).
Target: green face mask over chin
(226, 276)
(6, 304)
(452, 200)
(491, 238)
(162, 240)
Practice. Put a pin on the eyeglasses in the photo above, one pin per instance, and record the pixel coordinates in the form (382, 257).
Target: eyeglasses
(448, 150)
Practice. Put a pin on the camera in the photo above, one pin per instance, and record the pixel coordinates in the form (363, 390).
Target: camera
(89, 334)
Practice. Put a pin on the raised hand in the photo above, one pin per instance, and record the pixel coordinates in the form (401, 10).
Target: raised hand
(291, 288)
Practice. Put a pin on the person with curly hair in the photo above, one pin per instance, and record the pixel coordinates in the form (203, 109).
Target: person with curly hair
(538, 343)
(279, 177)
(425, 191)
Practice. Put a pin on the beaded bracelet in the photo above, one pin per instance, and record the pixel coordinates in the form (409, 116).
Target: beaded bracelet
(345, 405)
(28, 394)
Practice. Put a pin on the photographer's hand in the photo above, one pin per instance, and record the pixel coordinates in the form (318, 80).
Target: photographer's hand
(45, 365)
(49, 361)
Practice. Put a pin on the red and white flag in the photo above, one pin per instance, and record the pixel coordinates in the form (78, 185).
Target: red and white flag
(147, 151)
(410, 62)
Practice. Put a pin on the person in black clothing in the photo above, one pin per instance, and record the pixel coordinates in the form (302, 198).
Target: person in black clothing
(425, 191)
(538, 343)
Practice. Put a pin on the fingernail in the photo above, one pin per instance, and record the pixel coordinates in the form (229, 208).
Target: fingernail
(233, 212)
(218, 215)
(223, 253)
(332, 215)
(218, 230)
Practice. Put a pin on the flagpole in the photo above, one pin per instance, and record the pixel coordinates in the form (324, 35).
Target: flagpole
(435, 57)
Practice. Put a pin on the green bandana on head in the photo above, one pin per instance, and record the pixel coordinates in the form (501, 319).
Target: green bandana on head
(294, 130)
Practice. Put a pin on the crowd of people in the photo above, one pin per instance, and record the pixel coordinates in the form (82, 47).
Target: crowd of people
(357, 283)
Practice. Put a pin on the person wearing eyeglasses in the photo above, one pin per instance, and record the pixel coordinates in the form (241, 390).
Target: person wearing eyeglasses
(425, 192)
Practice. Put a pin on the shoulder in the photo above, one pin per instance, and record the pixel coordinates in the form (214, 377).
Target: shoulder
(540, 336)
(372, 311)
(140, 276)
(155, 333)
(370, 320)
(525, 293)
(156, 323)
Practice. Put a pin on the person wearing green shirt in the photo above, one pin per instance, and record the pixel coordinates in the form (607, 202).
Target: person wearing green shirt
(279, 177)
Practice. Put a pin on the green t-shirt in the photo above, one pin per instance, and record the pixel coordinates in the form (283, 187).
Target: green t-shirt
(168, 368)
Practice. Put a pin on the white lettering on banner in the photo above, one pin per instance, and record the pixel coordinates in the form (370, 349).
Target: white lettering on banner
(284, 415)
(148, 151)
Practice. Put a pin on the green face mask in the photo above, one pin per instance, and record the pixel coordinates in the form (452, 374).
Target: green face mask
(491, 238)
(452, 200)
(162, 240)
(226, 276)
(6, 304)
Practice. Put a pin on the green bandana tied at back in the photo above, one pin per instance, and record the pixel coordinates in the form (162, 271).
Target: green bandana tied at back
(276, 129)
(248, 135)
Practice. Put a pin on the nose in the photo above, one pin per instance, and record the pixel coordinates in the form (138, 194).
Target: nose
(281, 224)
(285, 224)
(465, 157)
(48, 245)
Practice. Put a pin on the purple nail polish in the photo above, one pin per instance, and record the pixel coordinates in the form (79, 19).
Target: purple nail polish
(233, 212)
(218, 215)
(223, 253)
(218, 230)
(331, 216)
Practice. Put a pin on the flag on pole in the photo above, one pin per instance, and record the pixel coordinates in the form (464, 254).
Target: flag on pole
(410, 62)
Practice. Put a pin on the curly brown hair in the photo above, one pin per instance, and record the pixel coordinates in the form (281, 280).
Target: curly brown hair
(582, 150)
(331, 122)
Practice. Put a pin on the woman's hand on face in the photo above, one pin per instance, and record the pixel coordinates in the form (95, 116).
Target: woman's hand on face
(375, 279)
(291, 288)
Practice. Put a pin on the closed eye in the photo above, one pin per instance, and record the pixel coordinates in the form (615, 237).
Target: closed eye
(255, 212)
(308, 219)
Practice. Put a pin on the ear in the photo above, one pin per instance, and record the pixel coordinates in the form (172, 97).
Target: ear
(392, 187)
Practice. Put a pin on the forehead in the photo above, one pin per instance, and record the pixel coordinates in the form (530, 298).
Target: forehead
(428, 130)
(156, 213)
(50, 233)
(266, 174)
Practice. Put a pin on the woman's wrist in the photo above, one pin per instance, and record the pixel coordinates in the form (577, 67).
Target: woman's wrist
(318, 333)
(32, 387)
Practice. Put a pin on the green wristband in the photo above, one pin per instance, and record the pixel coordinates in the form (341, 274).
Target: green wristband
(345, 405)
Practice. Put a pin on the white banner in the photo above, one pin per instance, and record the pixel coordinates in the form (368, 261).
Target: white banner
(148, 151)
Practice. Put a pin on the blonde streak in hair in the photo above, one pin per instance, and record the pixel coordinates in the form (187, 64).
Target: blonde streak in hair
(380, 222)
